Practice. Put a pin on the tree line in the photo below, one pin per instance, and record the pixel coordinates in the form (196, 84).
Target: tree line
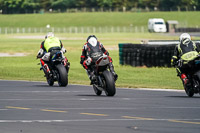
(36, 6)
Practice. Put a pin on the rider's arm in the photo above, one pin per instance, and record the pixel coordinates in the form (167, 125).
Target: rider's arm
(83, 55)
(103, 49)
(41, 50)
(198, 48)
(175, 57)
(62, 47)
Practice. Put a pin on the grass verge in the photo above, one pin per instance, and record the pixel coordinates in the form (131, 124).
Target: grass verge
(26, 68)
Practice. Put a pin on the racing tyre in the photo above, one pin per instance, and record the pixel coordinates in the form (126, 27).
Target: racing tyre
(97, 91)
(109, 83)
(62, 75)
(189, 91)
(50, 81)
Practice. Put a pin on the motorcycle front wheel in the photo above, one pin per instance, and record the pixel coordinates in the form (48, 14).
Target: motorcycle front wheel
(50, 81)
(109, 83)
(188, 90)
(62, 75)
(97, 91)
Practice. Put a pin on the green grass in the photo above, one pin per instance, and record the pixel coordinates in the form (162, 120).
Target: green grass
(26, 68)
(97, 19)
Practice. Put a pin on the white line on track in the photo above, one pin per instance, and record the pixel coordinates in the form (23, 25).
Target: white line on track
(90, 120)
(114, 108)
(40, 91)
(151, 89)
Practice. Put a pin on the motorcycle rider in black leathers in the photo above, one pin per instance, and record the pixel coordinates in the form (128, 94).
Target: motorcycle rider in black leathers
(91, 46)
(185, 47)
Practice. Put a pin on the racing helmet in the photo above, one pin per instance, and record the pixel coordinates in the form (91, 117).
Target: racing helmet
(185, 38)
(92, 40)
(90, 37)
(49, 34)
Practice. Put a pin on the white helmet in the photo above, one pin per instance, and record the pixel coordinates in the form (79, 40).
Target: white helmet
(92, 41)
(185, 38)
(49, 34)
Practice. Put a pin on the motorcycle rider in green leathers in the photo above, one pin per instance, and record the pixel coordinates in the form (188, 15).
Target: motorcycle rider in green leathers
(50, 45)
(184, 52)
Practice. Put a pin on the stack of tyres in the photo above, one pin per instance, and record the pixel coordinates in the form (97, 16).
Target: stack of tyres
(172, 48)
(125, 54)
(129, 54)
(138, 50)
(162, 52)
(133, 54)
(146, 55)
(121, 61)
(143, 55)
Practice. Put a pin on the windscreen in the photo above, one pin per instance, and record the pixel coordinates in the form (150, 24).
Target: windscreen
(158, 22)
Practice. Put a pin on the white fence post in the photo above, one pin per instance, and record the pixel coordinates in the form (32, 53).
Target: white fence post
(105, 29)
(6, 30)
(82, 30)
(88, 30)
(94, 30)
(142, 29)
(136, 29)
(100, 30)
(11, 30)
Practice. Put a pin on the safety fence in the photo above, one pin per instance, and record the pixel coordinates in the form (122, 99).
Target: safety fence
(108, 29)
(146, 55)
(181, 29)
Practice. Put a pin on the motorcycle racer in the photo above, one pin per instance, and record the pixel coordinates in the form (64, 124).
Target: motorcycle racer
(50, 45)
(186, 50)
(92, 46)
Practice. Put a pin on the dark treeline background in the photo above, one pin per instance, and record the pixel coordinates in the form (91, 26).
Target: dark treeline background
(40, 6)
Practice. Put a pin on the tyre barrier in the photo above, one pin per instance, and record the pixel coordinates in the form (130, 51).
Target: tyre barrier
(146, 55)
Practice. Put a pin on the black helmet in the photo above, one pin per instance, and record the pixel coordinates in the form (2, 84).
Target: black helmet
(90, 37)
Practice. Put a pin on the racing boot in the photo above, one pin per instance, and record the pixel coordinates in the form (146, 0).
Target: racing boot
(66, 64)
(113, 71)
(47, 70)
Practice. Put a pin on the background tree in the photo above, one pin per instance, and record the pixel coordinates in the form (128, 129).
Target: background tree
(45, 4)
(59, 5)
(30, 6)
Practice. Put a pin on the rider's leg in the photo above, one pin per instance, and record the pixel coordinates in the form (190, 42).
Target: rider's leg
(91, 74)
(66, 63)
(182, 75)
(89, 70)
(46, 67)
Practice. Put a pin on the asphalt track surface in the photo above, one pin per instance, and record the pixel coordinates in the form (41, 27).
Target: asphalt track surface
(34, 107)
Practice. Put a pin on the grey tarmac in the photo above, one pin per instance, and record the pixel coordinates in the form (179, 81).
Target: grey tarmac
(35, 107)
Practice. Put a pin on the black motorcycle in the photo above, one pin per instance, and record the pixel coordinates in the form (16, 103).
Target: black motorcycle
(104, 79)
(193, 73)
(58, 70)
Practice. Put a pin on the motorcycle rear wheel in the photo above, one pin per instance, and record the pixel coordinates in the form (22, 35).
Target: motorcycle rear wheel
(62, 75)
(109, 83)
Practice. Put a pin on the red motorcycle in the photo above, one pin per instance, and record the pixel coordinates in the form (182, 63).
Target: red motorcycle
(104, 80)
